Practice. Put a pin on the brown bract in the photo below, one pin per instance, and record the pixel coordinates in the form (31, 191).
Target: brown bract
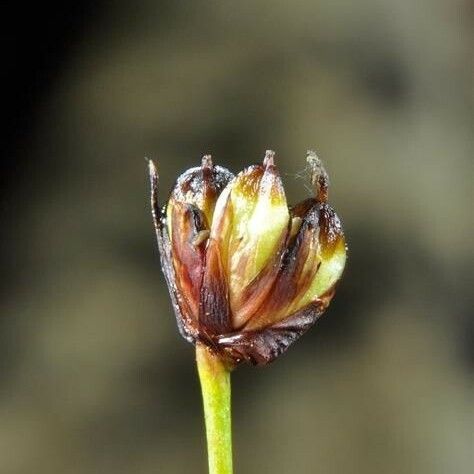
(247, 274)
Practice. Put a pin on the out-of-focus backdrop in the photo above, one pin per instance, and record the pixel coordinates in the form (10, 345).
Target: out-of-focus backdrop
(94, 377)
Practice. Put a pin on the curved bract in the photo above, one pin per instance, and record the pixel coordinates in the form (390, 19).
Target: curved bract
(247, 274)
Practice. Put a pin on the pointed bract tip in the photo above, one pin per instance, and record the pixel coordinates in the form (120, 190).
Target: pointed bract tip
(269, 159)
(152, 168)
(206, 161)
(313, 159)
(319, 176)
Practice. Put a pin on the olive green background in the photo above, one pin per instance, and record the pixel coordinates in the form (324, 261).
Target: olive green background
(94, 376)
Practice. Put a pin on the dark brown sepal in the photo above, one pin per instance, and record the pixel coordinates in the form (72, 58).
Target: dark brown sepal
(188, 254)
(331, 229)
(186, 326)
(264, 346)
(214, 311)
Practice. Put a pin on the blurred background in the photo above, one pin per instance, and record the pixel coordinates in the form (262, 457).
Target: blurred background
(94, 376)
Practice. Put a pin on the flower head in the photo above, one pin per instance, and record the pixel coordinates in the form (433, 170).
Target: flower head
(247, 274)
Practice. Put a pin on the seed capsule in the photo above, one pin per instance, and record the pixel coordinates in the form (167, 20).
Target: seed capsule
(247, 274)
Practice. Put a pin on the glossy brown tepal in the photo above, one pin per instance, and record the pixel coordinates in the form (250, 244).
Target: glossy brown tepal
(247, 274)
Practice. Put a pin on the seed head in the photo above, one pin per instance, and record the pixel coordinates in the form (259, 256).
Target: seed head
(247, 274)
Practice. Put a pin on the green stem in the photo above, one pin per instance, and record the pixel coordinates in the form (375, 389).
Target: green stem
(215, 386)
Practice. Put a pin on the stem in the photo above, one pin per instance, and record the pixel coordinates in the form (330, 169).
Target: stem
(215, 386)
